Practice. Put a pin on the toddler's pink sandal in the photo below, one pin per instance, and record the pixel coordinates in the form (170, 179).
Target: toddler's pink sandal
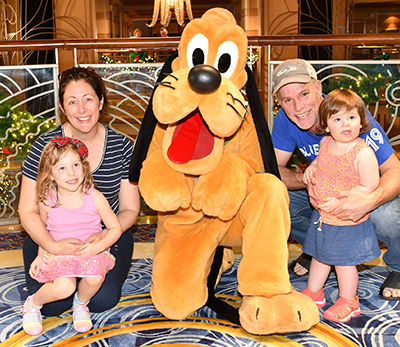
(343, 310)
(319, 298)
(81, 318)
(31, 319)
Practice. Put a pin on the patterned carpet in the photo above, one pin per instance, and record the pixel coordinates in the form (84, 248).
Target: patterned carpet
(135, 322)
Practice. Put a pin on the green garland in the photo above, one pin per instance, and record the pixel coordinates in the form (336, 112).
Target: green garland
(371, 88)
(18, 131)
(105, 59)
(140, 57)
(252, 58)
(15, 126)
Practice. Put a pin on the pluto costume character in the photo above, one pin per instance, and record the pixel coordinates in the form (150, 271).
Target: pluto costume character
(205, 174)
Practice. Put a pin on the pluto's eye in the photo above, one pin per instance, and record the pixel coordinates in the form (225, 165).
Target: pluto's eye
(197, 50)
(227, 58)
(224, 63)
(198, 57)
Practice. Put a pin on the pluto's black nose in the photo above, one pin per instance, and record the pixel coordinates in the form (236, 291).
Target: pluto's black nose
(204, 79)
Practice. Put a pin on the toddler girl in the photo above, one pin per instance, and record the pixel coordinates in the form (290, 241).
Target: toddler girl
(70, 207)
(345, 162)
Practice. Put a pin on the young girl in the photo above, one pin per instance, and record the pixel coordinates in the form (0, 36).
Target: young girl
(70, 208)
(345, 162)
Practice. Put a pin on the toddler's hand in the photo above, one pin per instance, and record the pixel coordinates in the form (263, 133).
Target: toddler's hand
(35, 267)
(330, 204)
(309, 176)
(96, 237)
(88, 249)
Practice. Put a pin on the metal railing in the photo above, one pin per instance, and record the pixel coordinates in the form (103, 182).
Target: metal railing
(29, 94)
(29, 107)
(382, 96)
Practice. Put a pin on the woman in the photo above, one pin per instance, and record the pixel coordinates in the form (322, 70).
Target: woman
(83, 98)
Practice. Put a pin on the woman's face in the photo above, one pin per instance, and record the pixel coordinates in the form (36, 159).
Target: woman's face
(81, 106)
(163, 32)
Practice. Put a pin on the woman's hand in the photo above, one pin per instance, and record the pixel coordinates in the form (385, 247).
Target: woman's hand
(65, 246)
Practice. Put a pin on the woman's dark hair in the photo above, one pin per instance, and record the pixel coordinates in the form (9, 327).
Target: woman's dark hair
(88, 75)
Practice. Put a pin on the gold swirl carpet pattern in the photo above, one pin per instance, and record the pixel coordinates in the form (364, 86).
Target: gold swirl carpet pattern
(135, 322)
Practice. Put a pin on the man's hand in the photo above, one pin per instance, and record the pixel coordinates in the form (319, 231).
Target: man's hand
(355, 206)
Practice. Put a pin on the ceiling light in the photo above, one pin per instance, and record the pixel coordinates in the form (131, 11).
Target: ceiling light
(166, 7)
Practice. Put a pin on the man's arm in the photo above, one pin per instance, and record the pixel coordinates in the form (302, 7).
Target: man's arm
(30, 220)
(358, 204)
(293, 180)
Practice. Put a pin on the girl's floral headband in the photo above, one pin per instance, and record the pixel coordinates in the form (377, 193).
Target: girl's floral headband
(61, 141)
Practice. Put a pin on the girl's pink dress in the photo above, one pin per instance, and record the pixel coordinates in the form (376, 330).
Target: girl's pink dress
(336, 173)
(329, 239)
(78, 223)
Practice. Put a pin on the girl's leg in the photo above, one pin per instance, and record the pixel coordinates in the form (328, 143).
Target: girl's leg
(347, 277)
(347, 306)
(54, 308)
(60, 288)
(319, 272)
(87, 288)
(31, 317)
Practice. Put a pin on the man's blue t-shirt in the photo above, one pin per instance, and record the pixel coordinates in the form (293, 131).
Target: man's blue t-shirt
(286, 135)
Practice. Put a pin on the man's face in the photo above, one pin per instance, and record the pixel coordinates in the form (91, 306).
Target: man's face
(301, 101)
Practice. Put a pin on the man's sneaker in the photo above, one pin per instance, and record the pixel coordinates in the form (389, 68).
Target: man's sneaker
(319, 298)
(343, 310)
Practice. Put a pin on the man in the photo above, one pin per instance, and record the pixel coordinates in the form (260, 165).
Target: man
(299, 93)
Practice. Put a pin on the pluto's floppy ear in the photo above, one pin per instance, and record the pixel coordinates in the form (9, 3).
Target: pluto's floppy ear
(264, 135)
(147, 128)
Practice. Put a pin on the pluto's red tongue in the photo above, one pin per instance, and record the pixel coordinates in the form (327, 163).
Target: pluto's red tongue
(191, 140)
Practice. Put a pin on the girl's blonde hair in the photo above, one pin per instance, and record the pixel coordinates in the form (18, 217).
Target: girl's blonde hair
(51, 154)
(339, 100)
